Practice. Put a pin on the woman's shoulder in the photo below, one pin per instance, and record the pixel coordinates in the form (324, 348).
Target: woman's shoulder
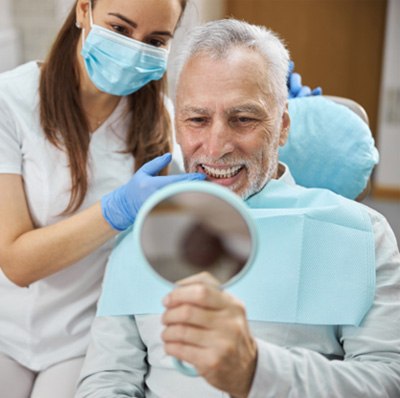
(20, 84)
(31, 68)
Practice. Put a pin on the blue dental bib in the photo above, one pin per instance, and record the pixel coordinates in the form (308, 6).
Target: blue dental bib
(315, 262)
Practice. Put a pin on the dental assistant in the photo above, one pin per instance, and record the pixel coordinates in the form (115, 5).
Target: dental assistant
(73, 131)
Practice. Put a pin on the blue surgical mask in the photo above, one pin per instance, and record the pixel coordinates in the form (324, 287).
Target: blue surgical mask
(119, 65)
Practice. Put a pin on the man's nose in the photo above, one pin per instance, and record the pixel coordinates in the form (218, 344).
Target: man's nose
(219, 140)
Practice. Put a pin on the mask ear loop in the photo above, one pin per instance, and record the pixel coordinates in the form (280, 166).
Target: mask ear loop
(90, 13)
(90, 20)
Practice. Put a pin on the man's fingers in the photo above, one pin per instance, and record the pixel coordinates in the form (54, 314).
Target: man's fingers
(201, 277)
(199, 294)
(189, 315)
(203, 359)
(187, 335)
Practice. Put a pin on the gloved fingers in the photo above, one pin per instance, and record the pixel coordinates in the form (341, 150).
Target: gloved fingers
(154, 166)
(294, 84)
(317, 91)
(291, 67)
(296, 89)
(182, 177)
(305, 91)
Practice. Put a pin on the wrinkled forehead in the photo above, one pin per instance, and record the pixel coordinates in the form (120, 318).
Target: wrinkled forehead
(237, 78)
(238, 59)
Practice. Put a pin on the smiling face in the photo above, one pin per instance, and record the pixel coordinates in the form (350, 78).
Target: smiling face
(228, 124)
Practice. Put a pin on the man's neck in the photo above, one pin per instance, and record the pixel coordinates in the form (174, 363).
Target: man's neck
(281, 171)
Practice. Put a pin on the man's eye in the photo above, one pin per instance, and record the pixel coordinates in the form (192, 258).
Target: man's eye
(196, 120)
(246, 119)
(243, 120)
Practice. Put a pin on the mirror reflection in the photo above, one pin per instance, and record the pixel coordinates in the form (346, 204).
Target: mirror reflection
(191, 232)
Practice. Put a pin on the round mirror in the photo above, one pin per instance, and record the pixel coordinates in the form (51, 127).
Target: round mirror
(185, 229)
(197, 227)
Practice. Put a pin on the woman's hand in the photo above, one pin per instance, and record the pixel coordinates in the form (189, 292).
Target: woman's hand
(295, 86)
(121, 206)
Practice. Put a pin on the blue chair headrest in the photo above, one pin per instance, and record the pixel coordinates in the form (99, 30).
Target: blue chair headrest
(329, 146)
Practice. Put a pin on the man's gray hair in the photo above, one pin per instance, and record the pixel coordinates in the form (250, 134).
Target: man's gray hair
(217, 38)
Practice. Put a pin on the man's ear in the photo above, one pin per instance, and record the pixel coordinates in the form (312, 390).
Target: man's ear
(285, 126)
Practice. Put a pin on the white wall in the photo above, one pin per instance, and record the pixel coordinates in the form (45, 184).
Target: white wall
(210, 9)
(388, 171)
(62, 8)
(37, 25)
(197, 11)
(9, 38)
(28, 28)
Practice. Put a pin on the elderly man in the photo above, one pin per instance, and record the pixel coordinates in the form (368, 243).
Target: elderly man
(231, 118)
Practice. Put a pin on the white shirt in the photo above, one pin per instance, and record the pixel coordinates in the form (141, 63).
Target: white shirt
(49, 321)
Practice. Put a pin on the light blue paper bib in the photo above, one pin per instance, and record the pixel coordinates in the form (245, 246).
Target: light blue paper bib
(315, 263)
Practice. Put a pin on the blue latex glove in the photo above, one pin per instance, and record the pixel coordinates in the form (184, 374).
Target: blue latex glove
(295, 87)
(120, 207)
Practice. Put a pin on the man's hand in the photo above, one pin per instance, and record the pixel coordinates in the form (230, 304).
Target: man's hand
(207, 328)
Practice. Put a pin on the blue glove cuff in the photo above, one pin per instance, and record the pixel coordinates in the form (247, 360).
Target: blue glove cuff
(115, 211)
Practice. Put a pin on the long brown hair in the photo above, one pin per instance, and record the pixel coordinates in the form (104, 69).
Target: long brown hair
(66, 125)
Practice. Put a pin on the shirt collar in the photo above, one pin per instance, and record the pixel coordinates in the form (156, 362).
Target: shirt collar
(286, 175)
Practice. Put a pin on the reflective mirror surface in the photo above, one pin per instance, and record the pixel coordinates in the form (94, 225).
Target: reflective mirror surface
(191, 232)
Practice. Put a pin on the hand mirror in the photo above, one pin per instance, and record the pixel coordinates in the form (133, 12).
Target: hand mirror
(188, 228)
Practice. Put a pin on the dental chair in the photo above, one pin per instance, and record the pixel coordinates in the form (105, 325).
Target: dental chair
(352, 105)
(330, 145)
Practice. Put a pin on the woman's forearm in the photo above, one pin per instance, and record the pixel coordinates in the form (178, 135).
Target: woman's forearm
(41, 252)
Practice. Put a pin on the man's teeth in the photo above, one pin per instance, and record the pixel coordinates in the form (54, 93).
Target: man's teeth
(221, 173)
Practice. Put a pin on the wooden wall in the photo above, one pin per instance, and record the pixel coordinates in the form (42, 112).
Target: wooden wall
(336, 44)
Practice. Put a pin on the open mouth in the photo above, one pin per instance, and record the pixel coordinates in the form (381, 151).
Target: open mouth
(221, 172)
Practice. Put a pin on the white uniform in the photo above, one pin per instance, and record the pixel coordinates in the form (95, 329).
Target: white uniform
(49, 321)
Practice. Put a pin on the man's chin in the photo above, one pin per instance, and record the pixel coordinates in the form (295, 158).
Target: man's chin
(250, 189)
(243, 192)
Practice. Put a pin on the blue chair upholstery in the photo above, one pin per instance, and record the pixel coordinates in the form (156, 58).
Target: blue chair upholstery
(330, 145)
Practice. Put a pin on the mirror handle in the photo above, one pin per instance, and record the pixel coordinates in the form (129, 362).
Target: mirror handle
(184, 368)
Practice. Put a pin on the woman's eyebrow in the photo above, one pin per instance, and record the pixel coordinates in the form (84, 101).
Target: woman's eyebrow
(125, 19)
(135, 25)
(163, 33)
